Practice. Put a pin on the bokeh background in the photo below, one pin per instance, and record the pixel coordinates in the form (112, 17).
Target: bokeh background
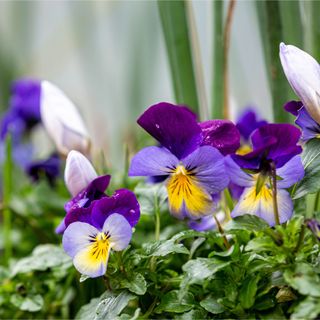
(110, 58)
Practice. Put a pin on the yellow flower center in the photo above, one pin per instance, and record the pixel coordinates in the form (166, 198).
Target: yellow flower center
(244, 149)
(100, 246)
(185, 190)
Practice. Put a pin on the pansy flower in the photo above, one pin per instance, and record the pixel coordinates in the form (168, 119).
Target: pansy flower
(89, 203)
(48, 168)
(24, 108)
(95, 223)
(187, 159)
(274, 148)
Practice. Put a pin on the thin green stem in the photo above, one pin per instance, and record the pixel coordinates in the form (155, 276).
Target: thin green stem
(316, 202)
(225, 240)
(300, 240)
(274, 193)
(7, 189)
(157, 230)
(229, 200)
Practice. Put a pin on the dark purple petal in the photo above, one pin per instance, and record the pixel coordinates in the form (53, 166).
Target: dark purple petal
(49, 168)
(123, 202)
(293, 107)
(248, 122)
(78, 213)
(310, 128)
(94, 191)
(220, 134)
(235, 190)
(174, 127)
(152, 161)
(13, 123)
(314, 226)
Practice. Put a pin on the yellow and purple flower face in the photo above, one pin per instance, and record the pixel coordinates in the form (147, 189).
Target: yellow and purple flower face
(274, 144)
(188, 159)
(89, 247)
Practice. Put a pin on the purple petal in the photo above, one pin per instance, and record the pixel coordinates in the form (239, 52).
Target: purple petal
(208, 167)
(221, 134)
(80, 214)
(50, 168)
(13, 123)
(61, 227)
(285, 147)
(25, 99)
(262, 205)
(248, 122)
(235, 190)
(123, 202)
(77, 237)
(310, 128)
(119, 230)
(290, 173)
(236, 174)
(174, 127)
(152, 161)
(293, 107)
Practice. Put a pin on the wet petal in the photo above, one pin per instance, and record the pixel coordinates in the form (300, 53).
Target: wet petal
(123, 202)
(220, 134)
(119, 230)
(152, 161)
(175, 127)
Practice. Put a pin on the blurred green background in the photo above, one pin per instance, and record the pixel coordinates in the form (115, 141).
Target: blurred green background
(110, 57)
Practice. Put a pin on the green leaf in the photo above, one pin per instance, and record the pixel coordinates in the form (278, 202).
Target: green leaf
(311, 163)
(31, 303)
(247, 222)
(170, 302)
(108, 306)
(163, 248)
(309, 308)
(202, 268)
(304, 279)
(263, 243)
(136, 283)
(192, 314)
(175, 27)
(248, 291)
(43, 257)
(211, 305)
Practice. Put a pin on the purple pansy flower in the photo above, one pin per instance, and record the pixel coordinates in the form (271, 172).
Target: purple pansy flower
(24, 108)
(192, 167)
(90, 246)
(274, 146)
(314, 226)
(49, 168)
(95, 223)
(89, 203)
(207, 222)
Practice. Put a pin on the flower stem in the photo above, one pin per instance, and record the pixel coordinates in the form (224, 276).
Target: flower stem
(156, 231)
(300, 240)
(7, 188)
(316, 202)
(274, 192)
(225, 240)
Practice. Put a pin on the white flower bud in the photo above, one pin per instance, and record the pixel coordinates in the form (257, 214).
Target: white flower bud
(78, 173)
(303, 74)
(62, 120)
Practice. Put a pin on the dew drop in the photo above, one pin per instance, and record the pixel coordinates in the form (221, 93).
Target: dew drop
(157, 126)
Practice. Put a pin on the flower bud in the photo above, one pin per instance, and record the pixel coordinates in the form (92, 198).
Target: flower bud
(62, 120)
(78, 173)
(303, 74)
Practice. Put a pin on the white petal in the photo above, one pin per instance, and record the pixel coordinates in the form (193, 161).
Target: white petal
(78, 173)
(62, 120)
(119, 230)
(303, 74)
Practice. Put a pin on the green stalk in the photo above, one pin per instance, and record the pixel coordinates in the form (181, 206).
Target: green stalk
(274, 193)
(7, 189)
(217, 74)
(315, 28)
(153, 262)
(175, 27)
(272, 32)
